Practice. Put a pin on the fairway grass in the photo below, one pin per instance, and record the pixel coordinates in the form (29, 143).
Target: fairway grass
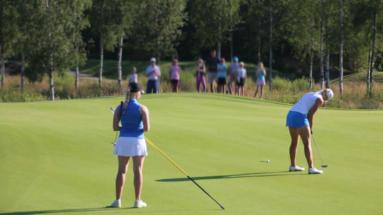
(56, 158)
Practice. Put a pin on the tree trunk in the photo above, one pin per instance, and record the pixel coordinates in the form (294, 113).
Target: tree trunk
(321, 46)
(259, 58)
(51, 85)
(22, 73)
(341, 17)
(101, 61)
(371, 63)
(219, 50)
(328, 69)
(311, 67)
(120, 62)
(2, 68)
(271, 48)
(77, 84)
(311, 81)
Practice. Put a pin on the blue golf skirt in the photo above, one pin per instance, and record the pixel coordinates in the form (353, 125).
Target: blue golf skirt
(296, 120)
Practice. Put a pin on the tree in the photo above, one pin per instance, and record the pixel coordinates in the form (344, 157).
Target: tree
(214, 21)
(52, 38)
(8, 33)
(341, 49)
(80, 21)
(126, 14)
(158, 26)
(104, 25)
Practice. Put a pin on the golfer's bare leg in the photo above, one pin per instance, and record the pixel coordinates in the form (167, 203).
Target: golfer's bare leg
(138, 165)
(305, 136)
(294, 134)
(120, 178)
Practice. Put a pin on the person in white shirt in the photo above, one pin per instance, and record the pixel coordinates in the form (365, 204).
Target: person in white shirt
(153, 73)
(300, 122)
(241, 79)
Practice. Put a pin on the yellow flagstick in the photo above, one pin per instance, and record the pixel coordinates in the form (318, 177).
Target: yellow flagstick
(181, 170)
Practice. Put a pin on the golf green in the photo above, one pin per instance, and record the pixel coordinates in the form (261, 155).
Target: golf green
(56, 158)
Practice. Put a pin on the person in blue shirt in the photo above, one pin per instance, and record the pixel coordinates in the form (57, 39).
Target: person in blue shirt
(134, 120)
(261, 80)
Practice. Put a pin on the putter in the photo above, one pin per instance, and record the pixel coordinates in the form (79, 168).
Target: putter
(117, 133)
(323, 165)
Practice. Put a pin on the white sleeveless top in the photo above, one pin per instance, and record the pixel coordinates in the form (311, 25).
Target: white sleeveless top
(306, 102)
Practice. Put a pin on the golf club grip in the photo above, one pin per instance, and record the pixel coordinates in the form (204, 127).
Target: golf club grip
(200, 187)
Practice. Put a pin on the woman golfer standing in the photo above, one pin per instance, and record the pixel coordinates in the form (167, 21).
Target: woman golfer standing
(300, 122)
(134, 119)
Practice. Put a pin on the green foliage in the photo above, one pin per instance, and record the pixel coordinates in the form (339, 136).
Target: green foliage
(105, 23)
(8, 27)
(214, 20)
(14, 95)
(158, 26)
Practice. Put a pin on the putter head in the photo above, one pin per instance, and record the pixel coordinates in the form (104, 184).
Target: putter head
(324, 165)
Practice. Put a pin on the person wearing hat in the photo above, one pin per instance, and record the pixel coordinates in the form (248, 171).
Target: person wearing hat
(300, 123)
(134, 120)
(153, 73)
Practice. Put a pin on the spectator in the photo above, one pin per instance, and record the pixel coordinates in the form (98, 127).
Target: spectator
(241, 78)
(261, 80)
(174, 74)
(233, 71)
(133, 77)
(201, 75)
(153, 73)
(212, 63)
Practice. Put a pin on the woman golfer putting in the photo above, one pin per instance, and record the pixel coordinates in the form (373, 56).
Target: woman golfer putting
(134, 119)
(300, 122)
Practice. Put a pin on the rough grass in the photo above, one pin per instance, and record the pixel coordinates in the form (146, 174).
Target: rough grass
(56, 158)
(284, 90)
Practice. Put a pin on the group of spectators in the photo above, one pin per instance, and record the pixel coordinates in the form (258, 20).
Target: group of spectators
(211, 73)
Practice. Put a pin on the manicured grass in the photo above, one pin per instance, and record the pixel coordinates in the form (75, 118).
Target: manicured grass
(56, 158)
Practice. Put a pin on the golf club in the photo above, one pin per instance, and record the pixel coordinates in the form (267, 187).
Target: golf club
(116, 136)
(183, 171)
(177, 166)
(323, 165)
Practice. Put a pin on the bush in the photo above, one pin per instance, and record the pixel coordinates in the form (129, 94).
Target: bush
(14, 95)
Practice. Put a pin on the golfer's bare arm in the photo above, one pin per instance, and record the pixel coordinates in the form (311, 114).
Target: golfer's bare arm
(145, 118)
(116, 120)
(310, 115)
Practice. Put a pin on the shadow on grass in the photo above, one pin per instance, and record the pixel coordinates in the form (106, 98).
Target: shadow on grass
(77, 210)
(88, 210)
(233, 176)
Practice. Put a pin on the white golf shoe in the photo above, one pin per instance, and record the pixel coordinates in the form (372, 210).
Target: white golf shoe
(140, 204)
(296, 168)
(115, 204)
(315, 171)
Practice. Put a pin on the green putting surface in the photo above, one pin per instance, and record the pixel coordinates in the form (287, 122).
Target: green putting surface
(56, 158)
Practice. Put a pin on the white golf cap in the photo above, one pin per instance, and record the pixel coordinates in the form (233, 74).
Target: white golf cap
(329, 93)
(153, 59)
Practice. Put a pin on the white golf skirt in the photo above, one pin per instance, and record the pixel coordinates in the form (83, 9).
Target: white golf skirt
(130, 146)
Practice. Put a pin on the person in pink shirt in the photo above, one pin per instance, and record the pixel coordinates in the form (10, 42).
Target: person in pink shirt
(174, 74)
